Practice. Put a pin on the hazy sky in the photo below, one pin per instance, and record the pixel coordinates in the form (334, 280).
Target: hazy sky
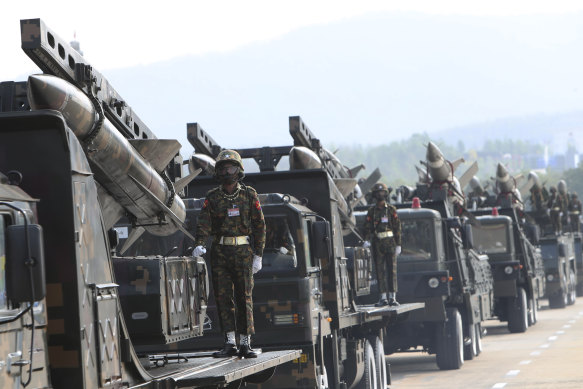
(125, 33)
(351, 69)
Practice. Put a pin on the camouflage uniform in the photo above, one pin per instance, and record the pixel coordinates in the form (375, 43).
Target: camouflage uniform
(383, 249)
(224, 215)
(560, 204)
(574, 213)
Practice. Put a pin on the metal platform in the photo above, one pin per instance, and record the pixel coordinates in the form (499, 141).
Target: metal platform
(388, 311)
(188, 370)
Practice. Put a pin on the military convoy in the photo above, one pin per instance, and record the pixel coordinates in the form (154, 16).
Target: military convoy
(99, 288)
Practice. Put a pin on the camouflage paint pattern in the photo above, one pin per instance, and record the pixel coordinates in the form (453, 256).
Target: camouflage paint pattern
(381, 219)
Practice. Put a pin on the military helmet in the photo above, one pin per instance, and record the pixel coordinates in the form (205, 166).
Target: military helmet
(229, 156)
(380, 186)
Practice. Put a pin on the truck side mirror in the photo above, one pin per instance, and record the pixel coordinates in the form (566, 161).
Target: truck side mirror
(467, 236)
(562, 250)
(25, 253)
(322, 246)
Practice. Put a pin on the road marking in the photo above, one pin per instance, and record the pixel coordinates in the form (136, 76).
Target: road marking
(512, 373)
(535, 353)
(567, 326)
(525, 362)
(552, 338)
(560, 332)
(499, 385)
(546, 345)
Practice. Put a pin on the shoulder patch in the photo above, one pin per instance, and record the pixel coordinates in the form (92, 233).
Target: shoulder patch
(206, 203)
(258, 205)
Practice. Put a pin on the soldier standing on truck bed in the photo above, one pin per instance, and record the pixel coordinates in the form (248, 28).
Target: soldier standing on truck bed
(383, 229)
(574, 212)
(232, 216)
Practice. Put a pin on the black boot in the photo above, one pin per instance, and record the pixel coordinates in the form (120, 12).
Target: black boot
(382, 302)
(228, 350)
(245, 351)
(393, 302)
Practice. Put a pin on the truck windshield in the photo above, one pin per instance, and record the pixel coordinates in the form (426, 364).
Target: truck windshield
(417, 238)
(280, 247)
(550, 255)
(490, 238)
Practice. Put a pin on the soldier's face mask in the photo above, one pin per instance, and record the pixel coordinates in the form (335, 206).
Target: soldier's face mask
(228, 173)
(380, 195)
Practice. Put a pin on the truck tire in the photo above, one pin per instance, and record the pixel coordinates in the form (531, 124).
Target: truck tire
(381, 363)
(517, 312)
(369, 377)
(532, 311)
(470, 350)
(558, 300)
(449, 353)
(572, 292)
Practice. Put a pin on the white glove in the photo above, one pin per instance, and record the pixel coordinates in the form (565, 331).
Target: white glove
(560, 214)
(366, 244)
(548, 212)
(397, 250)
(283, 250)
(256, 264)
(199, 251)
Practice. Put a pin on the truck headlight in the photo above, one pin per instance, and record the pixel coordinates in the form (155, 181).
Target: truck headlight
(433, 282)
(550, 277)
(508, 270)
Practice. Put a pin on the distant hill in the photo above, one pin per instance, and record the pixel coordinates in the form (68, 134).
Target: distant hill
(375, 79)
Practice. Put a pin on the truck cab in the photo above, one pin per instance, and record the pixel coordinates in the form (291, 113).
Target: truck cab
(517, 267)
(560, 270)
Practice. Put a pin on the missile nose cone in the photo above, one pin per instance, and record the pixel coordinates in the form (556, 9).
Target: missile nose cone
(43, 93)
(50, 92)
(433, 152)
(303, 158)
(474, 183)
(501, 171)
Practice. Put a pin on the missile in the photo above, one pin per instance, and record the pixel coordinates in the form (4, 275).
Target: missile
(131, 176)
(562, 187)
(301, 157)
(203, 162)
(439, 168)
(476, 187)
(504, 181)
(536, 184)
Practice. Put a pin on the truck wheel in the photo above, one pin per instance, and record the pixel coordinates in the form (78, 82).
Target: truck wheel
(532, 311)
(449, 353)
(381, 363)
(572, 294)
(558, 300)
(470, 350)
(369, 377)
(517, 312)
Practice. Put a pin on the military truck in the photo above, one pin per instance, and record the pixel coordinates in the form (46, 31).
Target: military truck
(517, 265)
(439, 267)
(306, 295)
(70, 312)
(560, 252)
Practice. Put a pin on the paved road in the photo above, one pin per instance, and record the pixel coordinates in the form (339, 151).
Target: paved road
(547, 355)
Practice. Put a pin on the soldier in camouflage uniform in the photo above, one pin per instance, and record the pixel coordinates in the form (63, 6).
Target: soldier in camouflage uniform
(574, 212)
(559, 204)
(383, 229)
(232, 216)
